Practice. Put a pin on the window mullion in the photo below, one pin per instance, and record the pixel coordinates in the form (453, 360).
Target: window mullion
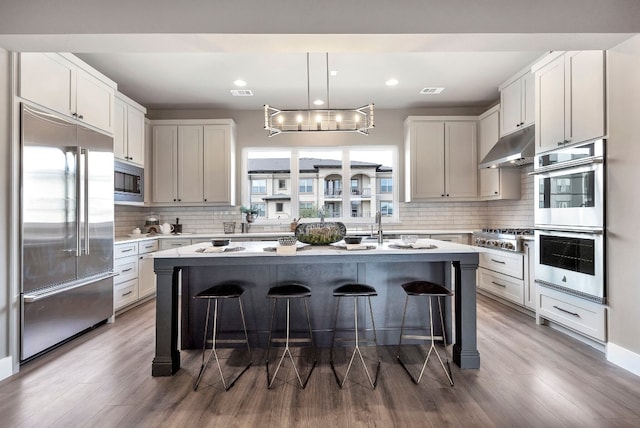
(295, 183)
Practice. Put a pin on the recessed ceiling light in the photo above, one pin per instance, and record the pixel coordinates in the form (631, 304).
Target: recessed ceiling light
(240, 83)
(333, 72)
(391, 82)
(318, 102)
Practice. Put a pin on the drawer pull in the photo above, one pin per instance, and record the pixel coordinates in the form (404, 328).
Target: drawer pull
(499, 261)
(498, 284)
(148, 246)
(127, 250)
(566, 311)
(126, 270)
(127, 293)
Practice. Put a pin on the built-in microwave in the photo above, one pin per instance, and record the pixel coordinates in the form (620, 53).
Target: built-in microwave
(569, 187)
(128, 182)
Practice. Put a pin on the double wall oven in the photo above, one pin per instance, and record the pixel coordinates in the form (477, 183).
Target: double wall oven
(569, 218)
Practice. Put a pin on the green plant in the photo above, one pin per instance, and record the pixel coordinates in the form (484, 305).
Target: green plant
(253, 209)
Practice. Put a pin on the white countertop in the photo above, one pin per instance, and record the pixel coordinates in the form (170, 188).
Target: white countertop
(253, 248)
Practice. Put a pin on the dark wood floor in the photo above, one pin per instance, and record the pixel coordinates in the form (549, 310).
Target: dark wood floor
(531, 376)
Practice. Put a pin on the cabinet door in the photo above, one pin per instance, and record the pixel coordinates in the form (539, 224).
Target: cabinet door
(146, 276)
(585, 105)
(528, 99)
(135, 135)
(165, 165)
(217, 164)
(427, 159)
(94, 101)
(461, 160)
(47, 79)
(550, 106)
(511, 105)
(120, 130)
(489, 130)
(190, 163)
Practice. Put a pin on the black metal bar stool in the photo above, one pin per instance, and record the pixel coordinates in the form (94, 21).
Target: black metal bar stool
(288, 291)
(226, 290)
(355, 290)
(430, 290)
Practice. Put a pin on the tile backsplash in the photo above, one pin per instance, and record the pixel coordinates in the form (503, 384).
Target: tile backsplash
(414, 215)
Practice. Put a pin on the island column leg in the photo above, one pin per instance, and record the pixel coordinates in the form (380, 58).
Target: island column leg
(167, 358)
(465, 350)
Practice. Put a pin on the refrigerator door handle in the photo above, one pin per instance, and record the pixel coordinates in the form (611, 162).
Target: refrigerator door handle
(85, 204)
(76, 155)
(34, 297)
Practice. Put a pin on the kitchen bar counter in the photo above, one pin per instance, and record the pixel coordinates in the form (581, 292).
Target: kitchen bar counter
(322, 268)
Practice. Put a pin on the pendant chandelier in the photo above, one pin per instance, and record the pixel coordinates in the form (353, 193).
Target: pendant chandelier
(358, 119)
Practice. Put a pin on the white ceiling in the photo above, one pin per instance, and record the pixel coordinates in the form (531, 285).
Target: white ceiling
(197, 70)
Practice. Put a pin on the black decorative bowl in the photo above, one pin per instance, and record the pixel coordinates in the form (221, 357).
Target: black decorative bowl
(219, 242)
(320, 233)
(352, 239)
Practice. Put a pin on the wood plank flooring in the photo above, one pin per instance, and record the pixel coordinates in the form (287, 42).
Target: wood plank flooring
(531, 376)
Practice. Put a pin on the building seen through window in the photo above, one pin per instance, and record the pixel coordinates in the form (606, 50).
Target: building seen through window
(317, 186)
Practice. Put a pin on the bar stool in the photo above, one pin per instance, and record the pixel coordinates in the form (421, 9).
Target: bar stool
(355, 290)
(431, 290)
(287, 291)
(225, 290)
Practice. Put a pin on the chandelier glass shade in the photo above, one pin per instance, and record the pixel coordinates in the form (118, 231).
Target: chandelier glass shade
(358, 119)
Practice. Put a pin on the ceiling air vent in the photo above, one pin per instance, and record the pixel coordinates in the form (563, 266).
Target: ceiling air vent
(431, 91)
(241, 92)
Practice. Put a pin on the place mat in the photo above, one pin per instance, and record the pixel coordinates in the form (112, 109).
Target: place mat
(298, 248)
(410, 247)
(354, 247)
(220, 249)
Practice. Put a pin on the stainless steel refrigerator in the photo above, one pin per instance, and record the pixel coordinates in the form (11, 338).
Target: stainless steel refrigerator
(67, 229)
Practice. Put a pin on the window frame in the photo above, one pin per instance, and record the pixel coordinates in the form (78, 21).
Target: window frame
(345, 173)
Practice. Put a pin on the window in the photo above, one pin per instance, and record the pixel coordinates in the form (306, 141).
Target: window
(259, 186)
(386, 185)
(386, 208)
(261, 209)
(306, 185)
(344, 183)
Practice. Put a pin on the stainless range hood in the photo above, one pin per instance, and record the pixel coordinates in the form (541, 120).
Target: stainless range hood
(511, 151)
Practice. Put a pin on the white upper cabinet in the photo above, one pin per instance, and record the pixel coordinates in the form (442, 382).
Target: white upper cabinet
(440, 158)
(128, 136)
(517, 101)
(68, 86)
(194, 162)
(570, 99)
(495, 183)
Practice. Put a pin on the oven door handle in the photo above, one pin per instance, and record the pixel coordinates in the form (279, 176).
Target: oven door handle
(569, 164)
(576, 229)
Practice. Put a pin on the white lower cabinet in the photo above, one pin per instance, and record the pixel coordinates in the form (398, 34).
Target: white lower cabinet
(502, 274)
(585, 317)
(135, 279)
(505, 286)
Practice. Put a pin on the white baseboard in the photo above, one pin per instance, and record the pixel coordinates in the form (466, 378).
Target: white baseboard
(624, 358)
(6, 367)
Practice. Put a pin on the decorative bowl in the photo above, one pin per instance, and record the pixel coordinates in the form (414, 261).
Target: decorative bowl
(287, 241)
(219, 242)
(409, 239)
(352, 239)
(321, 233)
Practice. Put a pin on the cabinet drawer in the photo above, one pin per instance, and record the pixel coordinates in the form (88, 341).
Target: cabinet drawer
(585, 317)
(125, 293)
(507, 287)
(148, 246)
(125, 250)
(511, 264)
(167, 244)
(126, 268)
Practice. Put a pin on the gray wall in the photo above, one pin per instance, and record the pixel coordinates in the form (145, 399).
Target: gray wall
(624, 195)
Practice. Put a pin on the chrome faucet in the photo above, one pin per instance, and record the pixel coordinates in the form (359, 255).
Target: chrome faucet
(379, 221)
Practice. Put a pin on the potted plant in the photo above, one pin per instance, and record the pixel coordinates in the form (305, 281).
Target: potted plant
(251, 212)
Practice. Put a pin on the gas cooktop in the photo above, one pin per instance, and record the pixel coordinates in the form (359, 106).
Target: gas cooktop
(509, 239)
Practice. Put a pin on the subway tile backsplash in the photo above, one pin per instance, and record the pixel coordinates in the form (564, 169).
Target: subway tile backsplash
(414, 215)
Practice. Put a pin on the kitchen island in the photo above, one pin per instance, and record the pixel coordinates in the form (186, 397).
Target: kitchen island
(322, 268)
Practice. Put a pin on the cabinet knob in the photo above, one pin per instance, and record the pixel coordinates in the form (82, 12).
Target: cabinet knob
(495, 193)
(205, 200)
(80, 116)
(518, 125)
(447, 195)
(74, 114)
(442, 195)
(560, 143)
(174, 199)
